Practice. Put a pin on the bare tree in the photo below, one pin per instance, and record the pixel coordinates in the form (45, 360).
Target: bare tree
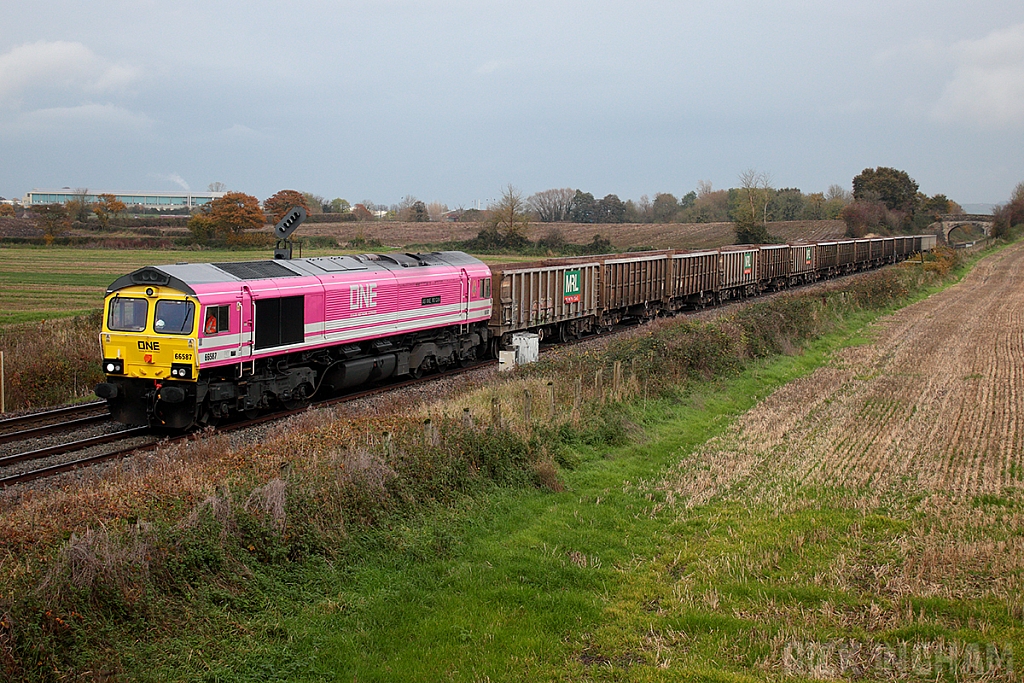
(217, 186)
(837, 192)
(552, 205)
(752, 221)
(436, 210)
(509, 217)
(757, 189)
(315, 203)
(78, 207)
(704, 188)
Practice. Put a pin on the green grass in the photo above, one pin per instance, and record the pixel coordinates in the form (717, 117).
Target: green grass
(583, 584)
(42, 283)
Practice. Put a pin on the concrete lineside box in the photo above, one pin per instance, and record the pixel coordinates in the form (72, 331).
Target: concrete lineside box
(527, 347)
(506, 361)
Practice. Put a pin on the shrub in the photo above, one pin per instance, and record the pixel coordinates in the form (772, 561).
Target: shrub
(51, 362)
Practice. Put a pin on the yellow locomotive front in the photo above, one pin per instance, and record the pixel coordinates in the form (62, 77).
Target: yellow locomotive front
(149, 342)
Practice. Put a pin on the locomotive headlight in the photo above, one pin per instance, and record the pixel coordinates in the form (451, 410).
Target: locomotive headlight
(181, 371)
(114, 366)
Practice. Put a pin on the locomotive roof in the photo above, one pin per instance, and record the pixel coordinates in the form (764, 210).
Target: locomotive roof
(182, 276)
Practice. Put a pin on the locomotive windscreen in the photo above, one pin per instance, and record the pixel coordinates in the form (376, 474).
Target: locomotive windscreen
(280, 322)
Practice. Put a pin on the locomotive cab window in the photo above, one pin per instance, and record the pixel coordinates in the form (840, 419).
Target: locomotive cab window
(127, 314)
(174, 317)
(485, 288)
(216, 320)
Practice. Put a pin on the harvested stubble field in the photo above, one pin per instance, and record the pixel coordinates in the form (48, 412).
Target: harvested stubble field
(922, 425)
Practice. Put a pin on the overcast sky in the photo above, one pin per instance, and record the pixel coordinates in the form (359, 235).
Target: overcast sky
(451, 101)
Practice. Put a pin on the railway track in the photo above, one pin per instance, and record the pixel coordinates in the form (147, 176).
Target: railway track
(78, 448)
(51, 421)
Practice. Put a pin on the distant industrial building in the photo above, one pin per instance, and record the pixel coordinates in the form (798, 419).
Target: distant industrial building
(146, 200)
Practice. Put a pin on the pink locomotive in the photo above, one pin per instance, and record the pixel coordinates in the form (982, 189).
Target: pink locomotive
(190, 344)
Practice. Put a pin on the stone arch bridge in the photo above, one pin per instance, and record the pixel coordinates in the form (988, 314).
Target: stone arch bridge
(949, 222)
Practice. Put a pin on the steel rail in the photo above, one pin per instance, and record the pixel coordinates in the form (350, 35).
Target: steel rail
(10, 422)
(34, 432)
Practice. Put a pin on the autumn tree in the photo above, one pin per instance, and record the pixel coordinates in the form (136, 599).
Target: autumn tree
(361, 212)
(7, 210)
(226, 216)
(108, 206)
(78, 206)
(53, 217)
(1009, 215)
(665, 207)
(279, 204)
(896, 189)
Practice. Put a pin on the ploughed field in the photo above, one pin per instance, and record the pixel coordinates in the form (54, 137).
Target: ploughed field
(622, 235)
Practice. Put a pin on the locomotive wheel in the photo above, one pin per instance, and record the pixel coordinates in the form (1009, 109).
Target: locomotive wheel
(299, 399)
(207, 418)
(294, 403)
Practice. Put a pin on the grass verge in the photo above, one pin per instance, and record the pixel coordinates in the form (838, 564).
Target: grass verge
(475, 559)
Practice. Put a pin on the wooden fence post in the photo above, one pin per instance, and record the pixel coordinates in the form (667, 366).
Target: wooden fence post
(617, 380)
(527, 405)
(551, 399)
(577, 399)
(599, 384)
(467, 419)
(496, 412)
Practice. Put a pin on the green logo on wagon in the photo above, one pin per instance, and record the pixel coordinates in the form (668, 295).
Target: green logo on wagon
(571, 288)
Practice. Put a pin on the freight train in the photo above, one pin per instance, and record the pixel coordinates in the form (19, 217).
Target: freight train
(192, 344)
